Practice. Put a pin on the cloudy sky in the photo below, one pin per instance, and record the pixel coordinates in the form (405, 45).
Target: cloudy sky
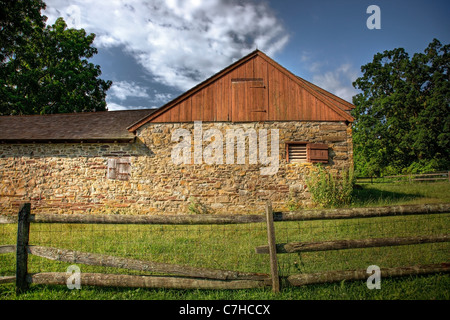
(155, 50)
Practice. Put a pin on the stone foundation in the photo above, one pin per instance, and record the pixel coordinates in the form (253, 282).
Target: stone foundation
(72, 178)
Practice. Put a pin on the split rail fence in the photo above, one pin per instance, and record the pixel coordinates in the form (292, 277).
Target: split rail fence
(434, 176)
(177, 276)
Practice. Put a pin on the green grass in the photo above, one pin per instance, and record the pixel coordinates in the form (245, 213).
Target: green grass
(432, 287)
(384, 194)
(231, 247)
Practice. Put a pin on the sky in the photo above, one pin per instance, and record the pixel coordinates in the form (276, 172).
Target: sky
(155, 50)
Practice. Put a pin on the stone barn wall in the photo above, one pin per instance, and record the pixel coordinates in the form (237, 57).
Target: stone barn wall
(73, 177)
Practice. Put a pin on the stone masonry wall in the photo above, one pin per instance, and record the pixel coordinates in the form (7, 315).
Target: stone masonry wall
(72, 178)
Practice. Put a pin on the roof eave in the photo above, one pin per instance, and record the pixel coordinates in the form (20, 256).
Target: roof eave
(66, 141)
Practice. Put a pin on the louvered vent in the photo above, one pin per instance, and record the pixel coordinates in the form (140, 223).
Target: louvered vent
(297, 152)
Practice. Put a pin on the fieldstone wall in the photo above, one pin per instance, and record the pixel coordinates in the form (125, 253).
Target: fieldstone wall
(72, 178)
(63, 178)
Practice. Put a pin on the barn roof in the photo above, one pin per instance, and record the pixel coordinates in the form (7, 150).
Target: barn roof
(335, 104)
(71, 127)
(120, 126)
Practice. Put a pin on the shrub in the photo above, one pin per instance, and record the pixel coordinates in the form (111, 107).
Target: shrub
(292, 203)
(328, 190)
(195, 207)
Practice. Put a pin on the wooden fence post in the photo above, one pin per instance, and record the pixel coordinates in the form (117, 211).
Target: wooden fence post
(272, 248)
(23, 231)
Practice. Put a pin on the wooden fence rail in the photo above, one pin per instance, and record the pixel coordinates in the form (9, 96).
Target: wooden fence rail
(435, 176)
(185, 219)
(124, 280)
(95, 259)
(356, 213)
(187, 277)
(174, 219)
(294, 247)
(350, 275)
(8, 248)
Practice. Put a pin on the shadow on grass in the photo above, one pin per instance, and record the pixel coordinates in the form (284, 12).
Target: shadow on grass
(367, 196)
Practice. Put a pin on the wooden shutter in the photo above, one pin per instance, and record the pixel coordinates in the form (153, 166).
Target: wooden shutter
(112, 165)
(296, 152)
(317, 152)
(119, 168)
(123, 168)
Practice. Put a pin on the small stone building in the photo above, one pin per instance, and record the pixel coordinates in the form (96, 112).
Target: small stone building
(127, 161)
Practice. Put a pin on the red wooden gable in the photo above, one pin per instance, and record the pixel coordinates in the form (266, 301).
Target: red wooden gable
(255, 88)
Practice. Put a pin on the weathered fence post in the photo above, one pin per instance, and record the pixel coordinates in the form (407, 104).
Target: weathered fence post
(23, 231)
(272, 248)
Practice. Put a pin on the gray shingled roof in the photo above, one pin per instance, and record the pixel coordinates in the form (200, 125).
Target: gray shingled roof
(71, 127)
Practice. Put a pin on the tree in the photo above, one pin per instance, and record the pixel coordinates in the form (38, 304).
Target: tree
(49, 72)
(402, 119)
(18, 21)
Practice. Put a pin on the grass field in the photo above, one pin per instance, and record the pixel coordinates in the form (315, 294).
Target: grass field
(231, 247)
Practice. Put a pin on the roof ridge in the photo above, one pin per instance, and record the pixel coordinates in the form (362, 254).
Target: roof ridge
(75, 113)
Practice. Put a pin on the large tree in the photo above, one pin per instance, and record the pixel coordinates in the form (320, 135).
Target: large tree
(45, 69)
(19, 20)
(402, 119)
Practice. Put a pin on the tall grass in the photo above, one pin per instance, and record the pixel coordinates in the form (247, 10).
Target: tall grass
(330, 190)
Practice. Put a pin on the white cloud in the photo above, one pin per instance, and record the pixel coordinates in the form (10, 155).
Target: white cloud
(180, 42)
(112, 106)
(123, 90)
(338, 81)
(162, 97)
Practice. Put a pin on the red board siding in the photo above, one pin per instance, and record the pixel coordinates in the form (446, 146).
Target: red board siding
(245, 92)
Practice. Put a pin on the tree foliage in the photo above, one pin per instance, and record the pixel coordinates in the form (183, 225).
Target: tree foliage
(18, 22)
(45, 69)
(402, 119)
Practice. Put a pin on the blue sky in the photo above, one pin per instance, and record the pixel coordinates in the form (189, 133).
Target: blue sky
(155, 50)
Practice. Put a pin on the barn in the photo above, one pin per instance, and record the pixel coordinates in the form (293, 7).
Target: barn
(206, 151)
